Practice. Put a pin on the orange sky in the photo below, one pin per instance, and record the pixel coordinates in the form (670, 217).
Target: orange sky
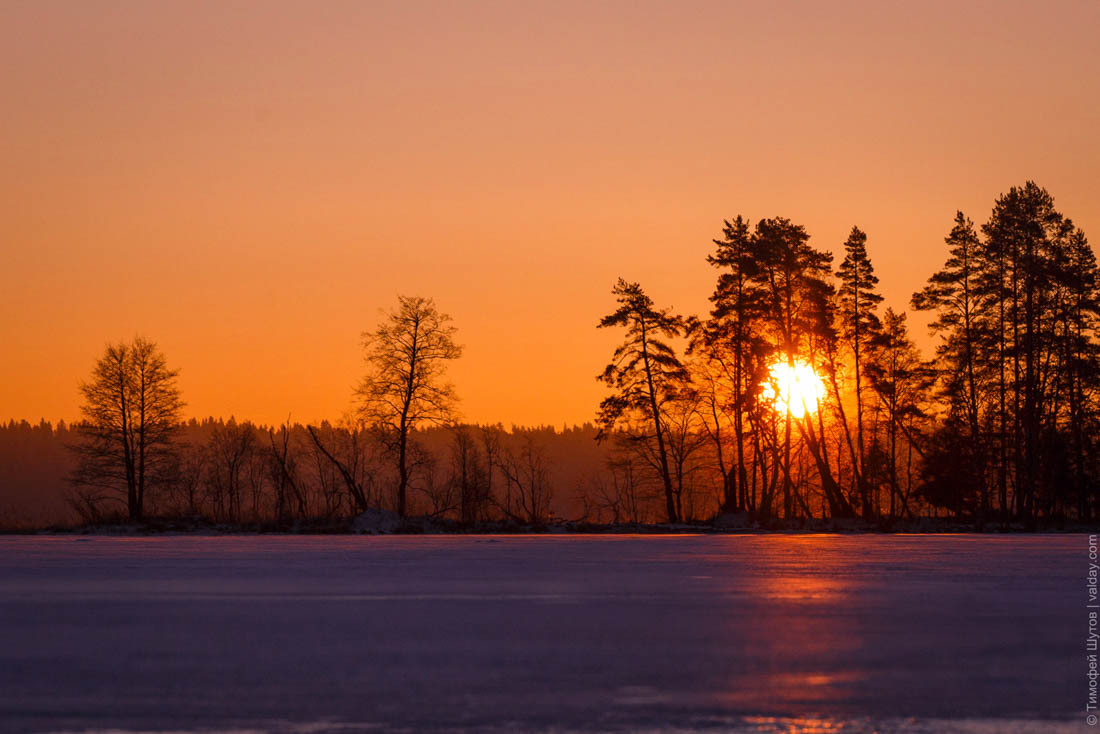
(248, 182)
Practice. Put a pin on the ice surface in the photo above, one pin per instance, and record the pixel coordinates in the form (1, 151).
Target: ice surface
(746, 633)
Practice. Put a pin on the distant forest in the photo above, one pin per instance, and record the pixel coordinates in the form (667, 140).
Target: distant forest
(243, 473)
(796, 396)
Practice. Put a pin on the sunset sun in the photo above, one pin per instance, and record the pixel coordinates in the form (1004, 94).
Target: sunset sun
(794, 389)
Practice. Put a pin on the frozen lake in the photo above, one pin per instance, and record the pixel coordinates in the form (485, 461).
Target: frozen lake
(742, 633)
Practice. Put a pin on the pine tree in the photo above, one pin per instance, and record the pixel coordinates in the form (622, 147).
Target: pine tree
(1020, 238)
(953, 294)
(729, 342)
(792, 280)
(900, 378)
(859, 326)
(645, 374)
(1081, 365)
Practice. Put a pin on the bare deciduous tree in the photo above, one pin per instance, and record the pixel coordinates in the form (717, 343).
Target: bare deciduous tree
(407, 354)
(469, 475)
(131, 414)
(232, 451)
(621, 491)
(528, 485)
(283, 468)
(350, 456)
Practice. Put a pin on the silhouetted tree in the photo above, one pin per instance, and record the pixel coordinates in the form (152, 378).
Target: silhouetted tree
(442, 494)
(1016, 312)
(185, 490)
(1022, 284)
(346, 451)
(793, 280)
(407, 354)
(231, 460)
(901, 379)
(528, 484)
(469, 475)
(644, 372)
(730, 347)
(953, 294)
(285, 479)
(1081, 374)
(1015, 237)
(131, 415)
(859, 323)
(620, 490)
(949, 478)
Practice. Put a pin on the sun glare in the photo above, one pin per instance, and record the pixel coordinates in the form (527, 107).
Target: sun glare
(794, 389)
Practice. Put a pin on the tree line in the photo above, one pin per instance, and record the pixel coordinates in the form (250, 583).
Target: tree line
(797, 396)
(130, 444)
(1001, 425)
(240, 473)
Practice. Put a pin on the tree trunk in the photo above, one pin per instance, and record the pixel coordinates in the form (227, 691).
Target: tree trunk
(670, 504)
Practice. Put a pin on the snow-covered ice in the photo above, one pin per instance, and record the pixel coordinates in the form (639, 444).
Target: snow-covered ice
(744, 633)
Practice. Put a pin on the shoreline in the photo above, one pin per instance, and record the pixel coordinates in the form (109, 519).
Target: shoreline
(389, 524)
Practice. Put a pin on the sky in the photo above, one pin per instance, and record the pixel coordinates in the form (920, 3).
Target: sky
(248, 183)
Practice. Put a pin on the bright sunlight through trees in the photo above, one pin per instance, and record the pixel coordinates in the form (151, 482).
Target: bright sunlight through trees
(794, 389)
